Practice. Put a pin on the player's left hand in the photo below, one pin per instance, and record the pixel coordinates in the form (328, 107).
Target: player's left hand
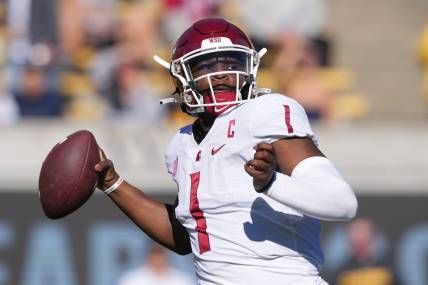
(262, 166)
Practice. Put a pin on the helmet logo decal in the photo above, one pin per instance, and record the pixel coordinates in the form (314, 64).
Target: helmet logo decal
(216, 42)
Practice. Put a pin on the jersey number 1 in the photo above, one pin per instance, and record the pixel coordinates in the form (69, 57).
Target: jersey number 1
(287, 119)
(198, 215)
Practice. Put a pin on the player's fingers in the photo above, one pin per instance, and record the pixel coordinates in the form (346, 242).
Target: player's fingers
(260, 176)
(264, 146)
(251, 170)
(259, 165)
(264, 155)
(265, 152)
(103, 164)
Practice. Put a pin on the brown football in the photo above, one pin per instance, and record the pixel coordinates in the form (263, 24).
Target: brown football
(67, 177)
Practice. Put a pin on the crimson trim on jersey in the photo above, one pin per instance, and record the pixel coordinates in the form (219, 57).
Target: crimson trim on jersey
(198, 215)
(287, 119)
(198, 156)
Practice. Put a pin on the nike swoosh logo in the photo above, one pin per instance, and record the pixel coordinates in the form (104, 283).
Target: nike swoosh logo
(215, 150)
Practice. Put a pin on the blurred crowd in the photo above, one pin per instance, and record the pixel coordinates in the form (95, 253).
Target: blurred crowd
(91, 60)
(360, 256)
(156, 269)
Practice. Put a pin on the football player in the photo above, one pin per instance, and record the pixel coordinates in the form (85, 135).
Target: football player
(252, 183)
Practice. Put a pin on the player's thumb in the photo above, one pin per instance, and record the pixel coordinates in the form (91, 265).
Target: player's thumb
(102, 153)
(103, 165)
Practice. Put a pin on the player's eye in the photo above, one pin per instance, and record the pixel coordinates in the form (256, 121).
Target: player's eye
(233, 66)
(203, 68)
(208, 66)
(219, 66)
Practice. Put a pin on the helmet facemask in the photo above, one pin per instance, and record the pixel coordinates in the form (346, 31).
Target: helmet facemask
(204, 65)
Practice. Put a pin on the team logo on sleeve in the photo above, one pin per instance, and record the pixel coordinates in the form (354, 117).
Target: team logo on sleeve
(175, 167)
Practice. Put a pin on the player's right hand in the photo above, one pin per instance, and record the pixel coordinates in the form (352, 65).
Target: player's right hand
(107, 175)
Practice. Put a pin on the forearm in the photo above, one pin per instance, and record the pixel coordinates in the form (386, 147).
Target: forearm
(316, 189)
(156, 219)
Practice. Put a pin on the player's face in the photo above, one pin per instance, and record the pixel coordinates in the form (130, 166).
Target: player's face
(219, 68)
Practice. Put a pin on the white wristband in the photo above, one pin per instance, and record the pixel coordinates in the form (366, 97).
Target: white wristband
(114, 187)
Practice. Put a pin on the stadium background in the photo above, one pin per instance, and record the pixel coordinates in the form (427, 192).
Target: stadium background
(375, 70)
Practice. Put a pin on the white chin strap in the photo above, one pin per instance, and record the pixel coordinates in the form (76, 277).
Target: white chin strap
(167, 100)
(162, 62)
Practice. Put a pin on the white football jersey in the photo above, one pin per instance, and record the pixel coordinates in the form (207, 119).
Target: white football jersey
(239, 236)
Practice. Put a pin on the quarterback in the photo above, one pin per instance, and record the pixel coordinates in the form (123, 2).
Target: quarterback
(252, 183)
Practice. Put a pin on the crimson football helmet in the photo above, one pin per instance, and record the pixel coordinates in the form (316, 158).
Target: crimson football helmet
(209, 49)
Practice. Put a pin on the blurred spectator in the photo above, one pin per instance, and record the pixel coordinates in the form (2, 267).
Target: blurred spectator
(134, 97)
(9, 112)
(86, 23)
(113, 68)
(34, 98)
(156, 270)
(88, 35)
(364, 267)
(138, 31)
(299, 75)
(180, 14)
(302, 17)
(19, 30)
(31, 23)
(423, 55)
(43, 22)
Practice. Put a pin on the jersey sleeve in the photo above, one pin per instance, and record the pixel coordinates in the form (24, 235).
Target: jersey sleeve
(171, 153)
(171, 157)
(278, 116)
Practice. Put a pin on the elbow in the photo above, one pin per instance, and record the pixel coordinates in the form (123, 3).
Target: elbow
(349, 205)
(343, 206)
(339, 210)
